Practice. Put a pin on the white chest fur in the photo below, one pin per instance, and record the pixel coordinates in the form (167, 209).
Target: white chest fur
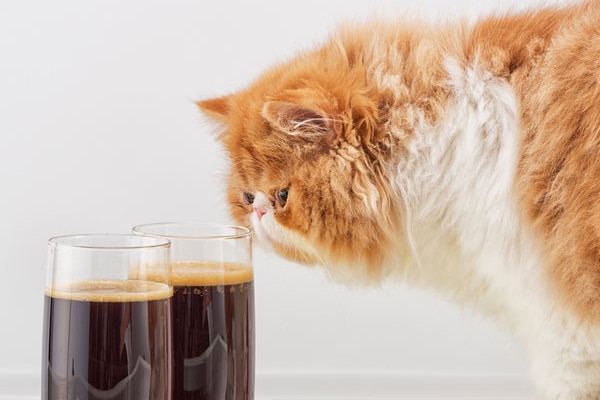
(457, 189)
(468, 239)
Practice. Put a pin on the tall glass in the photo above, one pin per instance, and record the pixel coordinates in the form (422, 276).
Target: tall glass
(213, 309)
(107, 318)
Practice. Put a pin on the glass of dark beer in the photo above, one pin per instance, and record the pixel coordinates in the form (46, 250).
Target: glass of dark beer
(213, 309)
(107, 318)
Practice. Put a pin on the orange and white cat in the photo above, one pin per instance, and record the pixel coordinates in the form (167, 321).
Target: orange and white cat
(463, 156)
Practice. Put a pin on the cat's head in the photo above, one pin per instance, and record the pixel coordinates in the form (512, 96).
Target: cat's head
(308, 162)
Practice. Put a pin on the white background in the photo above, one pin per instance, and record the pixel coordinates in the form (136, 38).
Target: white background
(99, 132)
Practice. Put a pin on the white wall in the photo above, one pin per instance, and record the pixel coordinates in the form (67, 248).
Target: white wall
(99, 132)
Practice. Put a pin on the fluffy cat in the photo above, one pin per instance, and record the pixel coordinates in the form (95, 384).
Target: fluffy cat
(463, 156)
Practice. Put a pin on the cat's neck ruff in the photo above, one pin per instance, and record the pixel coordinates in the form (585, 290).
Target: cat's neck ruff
(456, 182)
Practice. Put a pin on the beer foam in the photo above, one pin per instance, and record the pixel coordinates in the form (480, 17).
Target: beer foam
(106, 291)
(209, 273)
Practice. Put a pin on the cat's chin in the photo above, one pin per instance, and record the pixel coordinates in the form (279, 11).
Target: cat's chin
(271, 236)
(262, 237)
(295, 255)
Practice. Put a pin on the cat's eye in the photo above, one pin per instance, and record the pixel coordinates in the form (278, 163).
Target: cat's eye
(248, 198)
(281, 197)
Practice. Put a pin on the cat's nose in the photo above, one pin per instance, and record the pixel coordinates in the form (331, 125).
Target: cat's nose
(259, 212)
(260, 205)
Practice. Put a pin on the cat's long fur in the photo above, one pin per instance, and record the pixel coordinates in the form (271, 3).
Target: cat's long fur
(460, 156)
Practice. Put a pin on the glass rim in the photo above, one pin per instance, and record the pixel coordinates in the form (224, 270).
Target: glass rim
(70, 241)
(237, 231)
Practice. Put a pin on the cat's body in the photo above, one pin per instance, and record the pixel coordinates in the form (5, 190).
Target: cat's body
(464, 157)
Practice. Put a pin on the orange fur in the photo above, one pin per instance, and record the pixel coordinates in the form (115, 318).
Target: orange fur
(549, 57)
(559, 168)
(552, 59)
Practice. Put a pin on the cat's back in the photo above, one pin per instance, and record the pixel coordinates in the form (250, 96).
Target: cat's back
(559, 167)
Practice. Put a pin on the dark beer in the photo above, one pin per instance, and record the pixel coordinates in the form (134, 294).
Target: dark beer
(213, 331)
(107, 340)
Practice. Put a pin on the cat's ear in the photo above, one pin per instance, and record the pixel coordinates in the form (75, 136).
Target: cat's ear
(297, 119)
(218, 108)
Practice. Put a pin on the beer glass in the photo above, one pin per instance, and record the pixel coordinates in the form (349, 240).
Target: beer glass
(107, 318)
(213, 309)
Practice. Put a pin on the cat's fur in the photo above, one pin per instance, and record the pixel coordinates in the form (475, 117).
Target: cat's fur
(464, 156)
